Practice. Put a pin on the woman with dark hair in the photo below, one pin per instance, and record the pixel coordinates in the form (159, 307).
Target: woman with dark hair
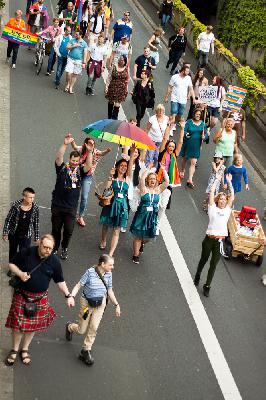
(97, 289)
(115, 215)
(144, 224)
(195, 133)
(87, 12)
(87, 179)
(154, 43)
(219, 210)
(116, 88)
(215, 106)
(198, 81)
(166, 12)
(143, 94)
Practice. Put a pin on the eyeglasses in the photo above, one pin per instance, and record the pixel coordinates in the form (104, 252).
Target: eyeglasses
(126, 15)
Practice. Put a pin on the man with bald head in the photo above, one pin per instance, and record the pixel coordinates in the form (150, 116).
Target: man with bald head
(68, 17)
(12, 47)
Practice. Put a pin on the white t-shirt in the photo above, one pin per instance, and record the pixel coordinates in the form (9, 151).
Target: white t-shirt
(98, 52)
(205, 39)
(99, 24)
(218, 218)
(157, 129)
(217, 102)
(38, 17)
(180, 88)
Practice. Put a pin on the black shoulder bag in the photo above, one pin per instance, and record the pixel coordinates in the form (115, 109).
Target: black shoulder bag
(97, 301)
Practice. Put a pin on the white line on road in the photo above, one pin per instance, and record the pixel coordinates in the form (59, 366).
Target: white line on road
(208, 337)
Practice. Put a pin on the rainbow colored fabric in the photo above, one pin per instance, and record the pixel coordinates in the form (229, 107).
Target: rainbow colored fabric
(234, 98)
(173, 173)
(16, 35)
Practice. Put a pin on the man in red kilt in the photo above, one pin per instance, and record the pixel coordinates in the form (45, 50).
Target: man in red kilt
(30, 310)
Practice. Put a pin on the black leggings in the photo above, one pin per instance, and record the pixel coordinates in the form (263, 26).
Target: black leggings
(140, 108)
(174, 57)
(62, 218)
(209, 245)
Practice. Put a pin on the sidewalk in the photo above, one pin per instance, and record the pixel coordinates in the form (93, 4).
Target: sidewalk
(6, 374)
(255, 146)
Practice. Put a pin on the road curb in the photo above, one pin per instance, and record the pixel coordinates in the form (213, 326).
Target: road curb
(243, 147)
(6, 373)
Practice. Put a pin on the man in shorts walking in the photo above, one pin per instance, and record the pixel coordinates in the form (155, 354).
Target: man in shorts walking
(76, 60)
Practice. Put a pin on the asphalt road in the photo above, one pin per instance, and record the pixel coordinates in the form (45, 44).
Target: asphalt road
(154, 350)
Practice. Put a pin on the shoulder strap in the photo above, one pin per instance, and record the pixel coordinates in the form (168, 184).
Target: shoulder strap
(103, 281)
(39, 265)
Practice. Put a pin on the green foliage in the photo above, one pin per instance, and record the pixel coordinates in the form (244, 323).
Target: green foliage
(246, 75)
(242, 22)
(2, 4)
(260, 67)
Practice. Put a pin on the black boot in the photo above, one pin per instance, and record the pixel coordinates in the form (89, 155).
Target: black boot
(196, 280)
(86, 357)
(115, 112)
(206, 290)
(110, 110)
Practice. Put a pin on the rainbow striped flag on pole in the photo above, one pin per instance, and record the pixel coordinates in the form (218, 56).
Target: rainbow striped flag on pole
(234, 98)
(16, 35)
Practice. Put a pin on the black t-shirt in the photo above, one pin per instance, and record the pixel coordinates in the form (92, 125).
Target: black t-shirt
(27, 259)
(66, 193)
(142, 63)
(23, 223)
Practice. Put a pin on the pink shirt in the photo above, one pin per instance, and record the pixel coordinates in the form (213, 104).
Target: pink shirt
(52, 32)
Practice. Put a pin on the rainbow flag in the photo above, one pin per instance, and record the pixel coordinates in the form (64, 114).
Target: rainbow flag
(16, 35)
(79, 5)
(234, 98)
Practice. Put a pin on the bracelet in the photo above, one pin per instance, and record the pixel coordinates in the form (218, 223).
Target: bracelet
(115, 305)
(67, 296)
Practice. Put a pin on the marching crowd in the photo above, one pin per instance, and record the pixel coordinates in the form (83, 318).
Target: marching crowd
(141, 182)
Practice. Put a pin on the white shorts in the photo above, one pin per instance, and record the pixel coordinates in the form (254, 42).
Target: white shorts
(74, 66)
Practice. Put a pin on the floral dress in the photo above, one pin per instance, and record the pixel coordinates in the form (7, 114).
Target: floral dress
(117, 89)
(144, 223)
(116, 214)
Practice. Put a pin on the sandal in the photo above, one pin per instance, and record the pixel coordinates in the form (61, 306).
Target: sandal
(190, 185)
(102, 246)
(9, 360)
(66, 89)
(71, 92)
(81, 221)
(26, 357)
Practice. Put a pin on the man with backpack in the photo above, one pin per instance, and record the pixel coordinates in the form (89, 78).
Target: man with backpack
(65, 195)
(96, 25)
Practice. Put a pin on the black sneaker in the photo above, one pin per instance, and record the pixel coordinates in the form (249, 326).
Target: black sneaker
(135, 259)
(88, 91)
(196, 280)
(86, 357)
(64, 254)
(206, 290)
(68, 334)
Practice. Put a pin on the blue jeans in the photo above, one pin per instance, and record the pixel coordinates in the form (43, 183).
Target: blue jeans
(51, 60)
(85, 190)
(152, 155)
(178, 108)
(165, 20)
(61, 65)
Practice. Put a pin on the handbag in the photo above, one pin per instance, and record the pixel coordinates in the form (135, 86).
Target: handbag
(105, 197)
(30, 309)
(95, 301)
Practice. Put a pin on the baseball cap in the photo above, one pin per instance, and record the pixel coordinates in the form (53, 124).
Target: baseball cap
(218, 154)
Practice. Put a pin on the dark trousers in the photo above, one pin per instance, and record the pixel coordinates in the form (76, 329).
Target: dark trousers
(209, 245)
(174, 57)
(62, 218)
(16, 243)
(29, 3)
(203, 59)
(61, 65)
(51, 60)
(140, 108)
(12, 47)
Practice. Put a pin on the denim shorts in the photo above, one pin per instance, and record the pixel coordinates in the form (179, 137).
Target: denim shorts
(214, 111)
(177, 108)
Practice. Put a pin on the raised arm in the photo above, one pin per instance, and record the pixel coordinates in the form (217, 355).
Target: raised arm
(150, 43)
(165, 183)
(182, 124)
(217, 136)
(131, 161)
(88, 163)
(212, 191)
(60, 154)
(231, 190)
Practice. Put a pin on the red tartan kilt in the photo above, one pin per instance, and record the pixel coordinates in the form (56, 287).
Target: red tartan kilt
(16, 319)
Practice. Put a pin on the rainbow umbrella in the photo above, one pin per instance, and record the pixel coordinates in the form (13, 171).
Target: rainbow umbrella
(120, 132)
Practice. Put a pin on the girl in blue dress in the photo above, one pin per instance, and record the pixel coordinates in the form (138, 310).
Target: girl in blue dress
(238, 171)
(144, 223)
(195, 133)
(115, 215)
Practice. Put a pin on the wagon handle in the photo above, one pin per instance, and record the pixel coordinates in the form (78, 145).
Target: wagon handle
(251, 254)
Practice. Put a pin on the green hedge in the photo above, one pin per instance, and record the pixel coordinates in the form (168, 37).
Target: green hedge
(2, 4)
(246, 75)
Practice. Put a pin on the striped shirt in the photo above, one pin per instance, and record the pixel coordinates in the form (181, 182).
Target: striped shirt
(93, 286)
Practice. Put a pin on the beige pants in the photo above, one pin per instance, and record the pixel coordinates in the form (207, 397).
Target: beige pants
(90, 325)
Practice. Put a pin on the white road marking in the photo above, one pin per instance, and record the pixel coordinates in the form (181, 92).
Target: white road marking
(207, 334)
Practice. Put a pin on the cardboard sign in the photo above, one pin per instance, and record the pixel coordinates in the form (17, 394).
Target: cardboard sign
(207, 93)
(16, 35)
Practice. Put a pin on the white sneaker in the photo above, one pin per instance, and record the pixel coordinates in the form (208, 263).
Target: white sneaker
(263, 279)
(13, 66)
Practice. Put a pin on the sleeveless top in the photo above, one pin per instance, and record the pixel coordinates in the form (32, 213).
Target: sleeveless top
(226, 143)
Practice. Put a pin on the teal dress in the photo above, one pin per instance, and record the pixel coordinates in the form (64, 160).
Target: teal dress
(116, 214)
(192, 139)
(144, 223)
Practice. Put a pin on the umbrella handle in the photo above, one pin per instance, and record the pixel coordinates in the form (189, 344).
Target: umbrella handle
(117, 151)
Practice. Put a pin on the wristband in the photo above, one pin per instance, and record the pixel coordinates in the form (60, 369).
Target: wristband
(67, 296)
(116, 304)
